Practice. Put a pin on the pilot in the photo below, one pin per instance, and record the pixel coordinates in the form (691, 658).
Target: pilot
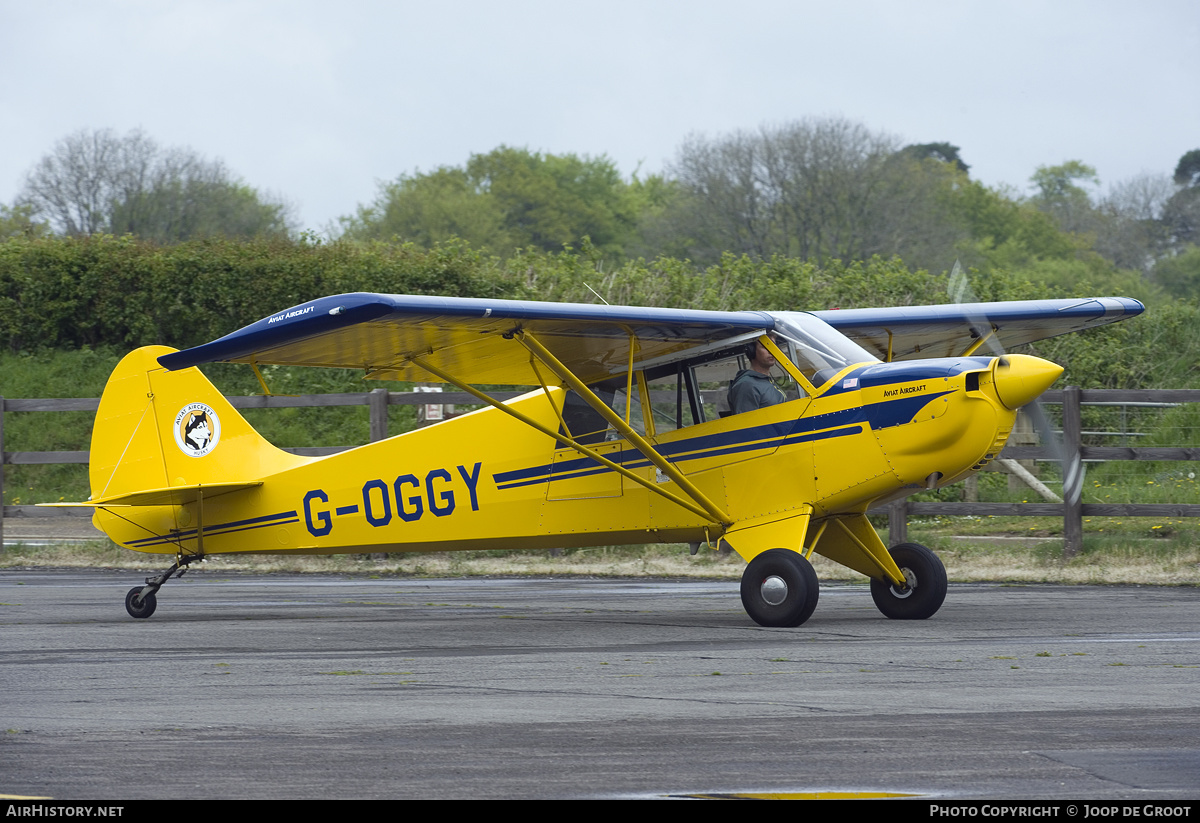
(753, 388)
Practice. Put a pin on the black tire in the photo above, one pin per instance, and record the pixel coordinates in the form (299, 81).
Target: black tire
(779, 588)
(143, 609)
(926, 589)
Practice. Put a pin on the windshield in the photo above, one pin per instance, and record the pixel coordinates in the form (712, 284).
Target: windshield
(818, 350)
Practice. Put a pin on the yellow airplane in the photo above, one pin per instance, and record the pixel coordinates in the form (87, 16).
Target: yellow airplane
(631, 434)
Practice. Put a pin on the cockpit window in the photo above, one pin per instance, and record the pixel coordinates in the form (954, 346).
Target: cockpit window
(817, 349)
(716, 372)
(693, 387)
(588, 426)
(673, 398)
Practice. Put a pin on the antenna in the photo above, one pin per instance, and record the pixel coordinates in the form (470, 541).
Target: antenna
(593, 291)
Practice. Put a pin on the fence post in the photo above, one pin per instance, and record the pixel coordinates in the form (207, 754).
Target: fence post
(898, 522)
(1072, 468)
(377, 400)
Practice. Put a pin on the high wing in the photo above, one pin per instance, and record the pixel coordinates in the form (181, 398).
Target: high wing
(468, 337)
(471, 338)
(951, 330)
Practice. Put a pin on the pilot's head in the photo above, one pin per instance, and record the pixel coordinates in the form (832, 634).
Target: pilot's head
(761, 359)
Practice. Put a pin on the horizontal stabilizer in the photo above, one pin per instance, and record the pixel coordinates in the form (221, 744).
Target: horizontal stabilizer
(169, 496)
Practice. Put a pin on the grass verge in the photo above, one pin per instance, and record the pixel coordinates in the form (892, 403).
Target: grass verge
(1021, 554)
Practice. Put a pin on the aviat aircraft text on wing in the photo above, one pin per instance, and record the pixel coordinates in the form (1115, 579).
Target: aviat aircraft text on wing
(626, 435)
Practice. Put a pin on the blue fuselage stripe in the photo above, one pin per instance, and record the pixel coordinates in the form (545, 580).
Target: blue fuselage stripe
(806, 429)
(220, 528)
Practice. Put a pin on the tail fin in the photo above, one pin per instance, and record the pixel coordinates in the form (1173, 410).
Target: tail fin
(157, 428)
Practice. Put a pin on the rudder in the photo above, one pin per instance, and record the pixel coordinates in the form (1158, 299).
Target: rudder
(157, 428)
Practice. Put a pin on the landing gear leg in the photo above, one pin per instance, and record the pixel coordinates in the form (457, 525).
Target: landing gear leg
(141, 601)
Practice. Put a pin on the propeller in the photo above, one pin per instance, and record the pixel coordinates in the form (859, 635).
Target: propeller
(961, 293)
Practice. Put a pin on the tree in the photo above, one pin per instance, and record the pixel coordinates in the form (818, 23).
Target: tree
(504, 200)
(1187, 172)
(431, 208)
(98, 182)
(1181, 217)
(1006, 231)
(1138, 224)
(17, 221)
(1061, 196)
(1180, 274)
(812, 189)
(1181, 214)
(1129, 229)
(549, 201)
(942, 152)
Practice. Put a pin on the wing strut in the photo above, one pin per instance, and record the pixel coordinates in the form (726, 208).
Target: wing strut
(983, 338)
(711, 509)
(570, 441)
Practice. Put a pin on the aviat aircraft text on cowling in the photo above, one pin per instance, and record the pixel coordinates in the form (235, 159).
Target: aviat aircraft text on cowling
(625, 437)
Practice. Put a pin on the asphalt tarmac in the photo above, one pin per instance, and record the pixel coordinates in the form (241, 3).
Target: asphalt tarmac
(290, 686)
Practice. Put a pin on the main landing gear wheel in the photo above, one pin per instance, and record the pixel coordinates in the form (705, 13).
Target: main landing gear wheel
(779, 588)
(926, 584)
(140, 608)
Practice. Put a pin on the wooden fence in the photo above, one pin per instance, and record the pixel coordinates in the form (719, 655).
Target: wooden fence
(1074, 452)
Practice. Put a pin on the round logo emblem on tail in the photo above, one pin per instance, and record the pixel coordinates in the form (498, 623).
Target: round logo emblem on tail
(197, 429)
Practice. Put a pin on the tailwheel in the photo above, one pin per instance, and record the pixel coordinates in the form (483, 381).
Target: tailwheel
(139, 605)
(924, 589)
(779, 588)
(141, 601)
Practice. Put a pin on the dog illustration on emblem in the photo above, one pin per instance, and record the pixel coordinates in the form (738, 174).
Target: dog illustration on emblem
(197, 429)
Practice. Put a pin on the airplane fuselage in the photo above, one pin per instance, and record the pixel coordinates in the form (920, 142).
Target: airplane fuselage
(486, 480)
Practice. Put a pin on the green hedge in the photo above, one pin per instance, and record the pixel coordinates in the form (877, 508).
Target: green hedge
(103, 291)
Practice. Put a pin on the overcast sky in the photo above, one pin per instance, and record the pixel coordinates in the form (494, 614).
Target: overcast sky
(317, 101)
